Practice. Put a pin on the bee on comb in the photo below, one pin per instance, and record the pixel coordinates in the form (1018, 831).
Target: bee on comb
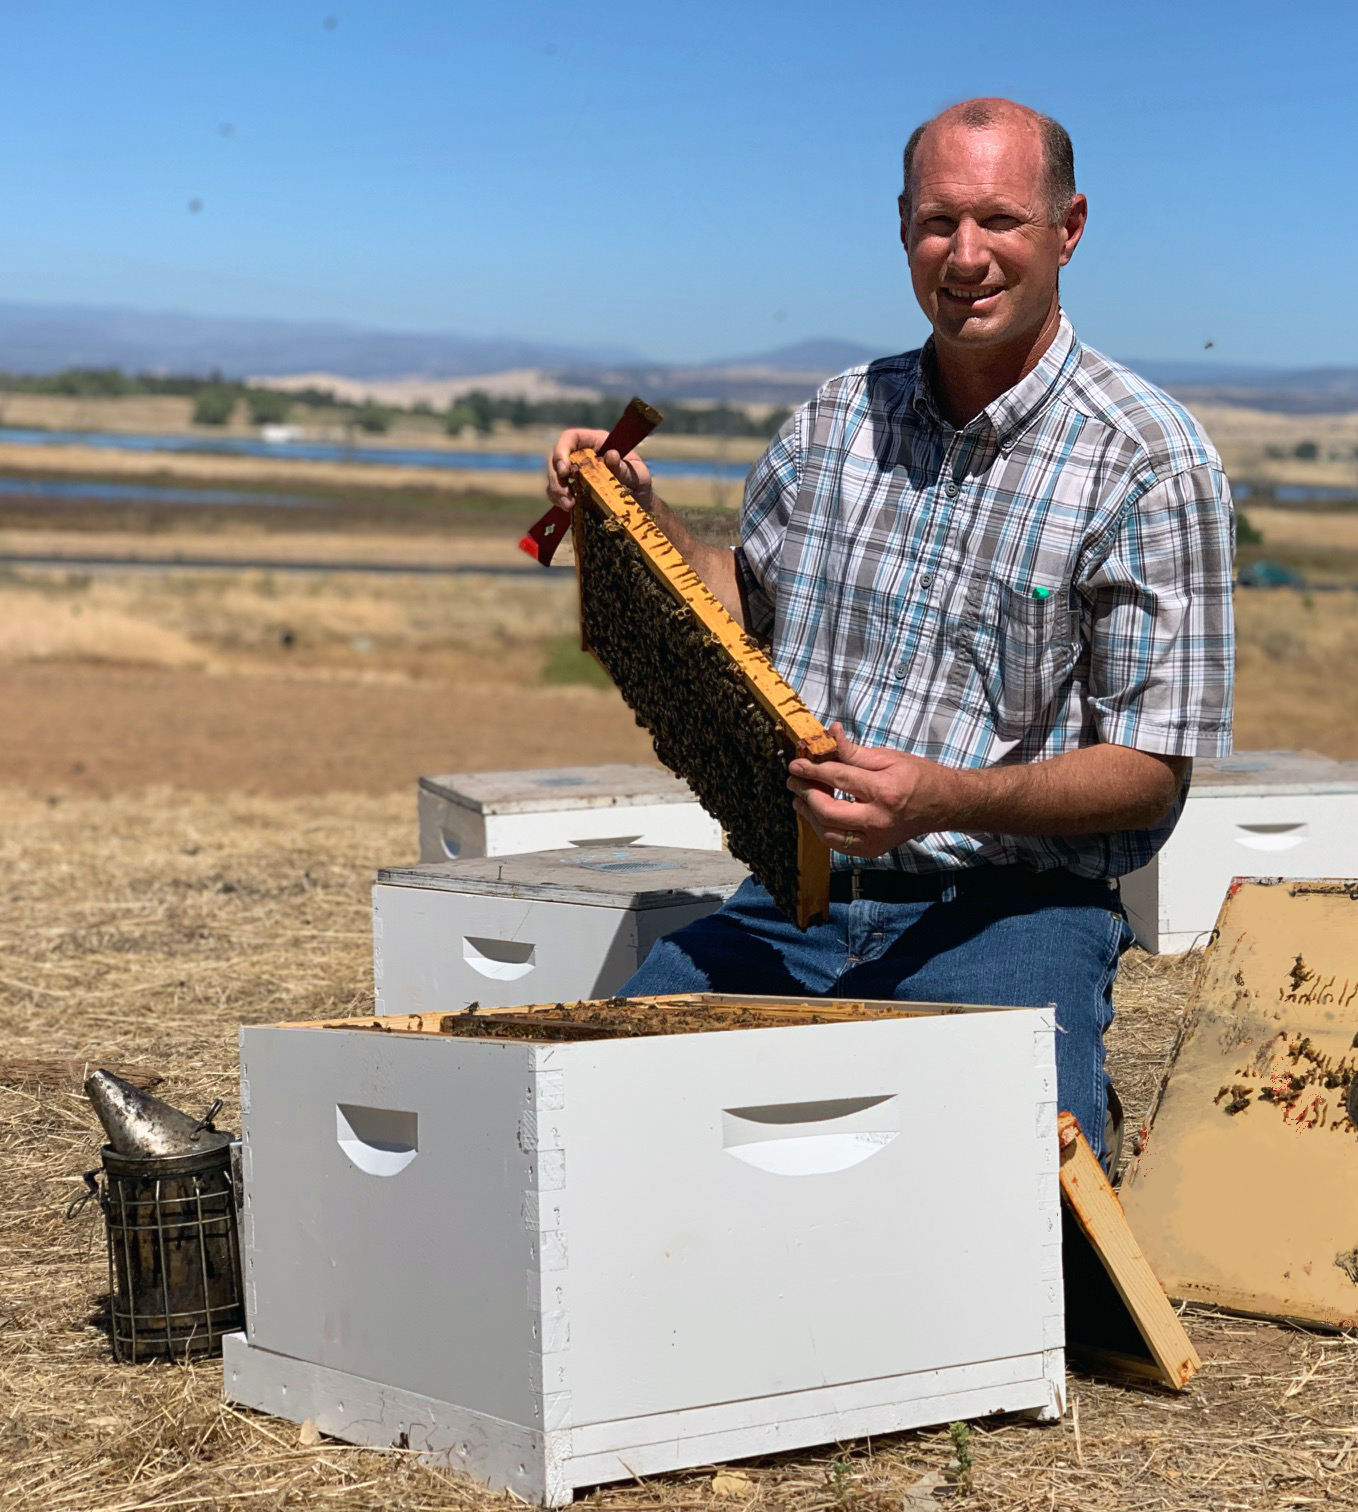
(718, 712)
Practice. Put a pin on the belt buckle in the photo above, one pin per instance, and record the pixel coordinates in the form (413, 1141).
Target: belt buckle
(855, 874)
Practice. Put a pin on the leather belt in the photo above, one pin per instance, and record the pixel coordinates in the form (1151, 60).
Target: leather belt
(883, 884)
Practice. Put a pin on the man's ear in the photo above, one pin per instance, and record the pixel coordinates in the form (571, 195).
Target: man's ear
(903, 210)
(1073, 226)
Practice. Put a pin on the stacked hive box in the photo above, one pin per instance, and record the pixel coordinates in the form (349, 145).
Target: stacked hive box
(501, 813)
(547, 926)
(1257, 813)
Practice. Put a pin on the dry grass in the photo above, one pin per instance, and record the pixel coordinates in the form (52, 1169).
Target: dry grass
(236, 620)
(1306, 529)
(1293, 655)
(143, 930)
(1245, 438)
(1294, 685)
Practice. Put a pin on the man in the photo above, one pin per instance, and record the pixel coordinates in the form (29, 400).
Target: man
(1002, 565)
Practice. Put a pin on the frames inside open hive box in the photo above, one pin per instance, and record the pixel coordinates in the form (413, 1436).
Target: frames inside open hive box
(719, 713)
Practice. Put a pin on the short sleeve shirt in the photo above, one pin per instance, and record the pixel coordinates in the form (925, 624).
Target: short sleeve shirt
(1054, 574)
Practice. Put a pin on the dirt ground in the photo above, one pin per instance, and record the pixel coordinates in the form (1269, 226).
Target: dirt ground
(199, 774)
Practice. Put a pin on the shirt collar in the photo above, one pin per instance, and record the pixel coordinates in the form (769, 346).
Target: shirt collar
(1017, 407)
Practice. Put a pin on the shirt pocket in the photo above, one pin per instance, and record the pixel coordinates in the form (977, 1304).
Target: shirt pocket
(1024, 649)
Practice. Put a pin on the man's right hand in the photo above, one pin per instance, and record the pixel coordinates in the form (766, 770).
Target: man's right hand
(630, 470)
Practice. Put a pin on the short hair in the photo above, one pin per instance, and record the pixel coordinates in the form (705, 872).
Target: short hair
(1058, 155)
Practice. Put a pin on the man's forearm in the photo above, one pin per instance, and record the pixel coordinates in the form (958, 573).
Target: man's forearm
(716, 565)
(1094, 791)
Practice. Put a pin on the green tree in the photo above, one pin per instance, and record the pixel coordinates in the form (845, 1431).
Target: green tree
(373, 418)
(213, 405)
(268, 406)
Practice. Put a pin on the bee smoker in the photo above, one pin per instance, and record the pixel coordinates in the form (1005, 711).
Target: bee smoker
(169, 1198)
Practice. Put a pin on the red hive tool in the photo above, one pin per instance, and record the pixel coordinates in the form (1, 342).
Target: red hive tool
(638, 420)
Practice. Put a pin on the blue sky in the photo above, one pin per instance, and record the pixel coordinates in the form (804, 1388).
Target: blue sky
(688, 180)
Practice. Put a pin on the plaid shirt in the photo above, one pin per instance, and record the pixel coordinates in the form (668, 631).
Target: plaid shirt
(1054, 574)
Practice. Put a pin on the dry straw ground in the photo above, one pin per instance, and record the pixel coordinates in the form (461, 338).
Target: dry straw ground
(143, 931)
(141, 924)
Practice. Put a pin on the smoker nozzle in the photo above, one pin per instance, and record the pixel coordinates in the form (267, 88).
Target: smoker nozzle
(140, 1125)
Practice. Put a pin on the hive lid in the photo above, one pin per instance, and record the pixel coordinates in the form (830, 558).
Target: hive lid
(1258, 774)
(551, 789)
(1245, 1192)
(638, 876)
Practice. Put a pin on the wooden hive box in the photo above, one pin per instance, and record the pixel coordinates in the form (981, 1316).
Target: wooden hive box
(1291, 812)
(506, 813)
(568, 923)
(564, 1246)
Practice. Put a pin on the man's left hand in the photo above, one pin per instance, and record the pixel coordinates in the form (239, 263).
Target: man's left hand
(895, 796)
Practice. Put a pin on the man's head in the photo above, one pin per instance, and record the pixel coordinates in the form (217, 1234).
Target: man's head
(989, 216)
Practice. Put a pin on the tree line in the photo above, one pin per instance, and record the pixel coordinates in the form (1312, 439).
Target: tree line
(217, 400)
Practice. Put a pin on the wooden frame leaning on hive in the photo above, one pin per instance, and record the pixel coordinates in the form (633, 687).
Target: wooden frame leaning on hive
(613, 533)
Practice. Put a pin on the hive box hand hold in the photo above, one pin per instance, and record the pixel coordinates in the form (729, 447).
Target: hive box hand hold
(556, 924)
(504, 813)
(579, 1251)
(719, 713)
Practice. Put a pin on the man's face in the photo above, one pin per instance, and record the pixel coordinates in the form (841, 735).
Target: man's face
(984, 259)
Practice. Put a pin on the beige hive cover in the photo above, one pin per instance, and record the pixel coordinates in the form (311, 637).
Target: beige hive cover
(1245, 1193)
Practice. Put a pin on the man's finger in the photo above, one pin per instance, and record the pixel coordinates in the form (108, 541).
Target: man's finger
(836, 814)
(831, 774)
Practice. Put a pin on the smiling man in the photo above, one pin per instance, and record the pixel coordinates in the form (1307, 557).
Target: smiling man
(1001, 565)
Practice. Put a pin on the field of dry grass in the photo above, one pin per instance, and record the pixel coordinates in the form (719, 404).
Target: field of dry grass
(142, 931)
(198, 776)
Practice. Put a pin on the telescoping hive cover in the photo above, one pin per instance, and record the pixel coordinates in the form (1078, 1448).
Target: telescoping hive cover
(1245, 1194)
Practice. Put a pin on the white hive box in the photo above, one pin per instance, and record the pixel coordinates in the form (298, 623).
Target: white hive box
(1278, 813)
(546, 926)
(558, 1264)
(501, 813)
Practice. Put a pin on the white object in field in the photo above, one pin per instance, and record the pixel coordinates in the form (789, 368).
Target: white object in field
(502, 813)
(584, 1270)
(1280, 813)
(548, 926)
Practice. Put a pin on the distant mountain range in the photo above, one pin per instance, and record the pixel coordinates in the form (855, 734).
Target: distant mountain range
(37, 339)
(48, 338)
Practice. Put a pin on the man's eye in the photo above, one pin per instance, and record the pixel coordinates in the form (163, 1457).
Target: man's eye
(939, 225)
(1001, 222)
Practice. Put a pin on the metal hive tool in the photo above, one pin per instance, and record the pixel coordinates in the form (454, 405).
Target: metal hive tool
(719, 713)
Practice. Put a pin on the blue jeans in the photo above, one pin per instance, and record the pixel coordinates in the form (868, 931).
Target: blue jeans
(1015, 948)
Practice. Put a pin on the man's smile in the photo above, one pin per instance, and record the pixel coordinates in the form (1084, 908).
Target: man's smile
(972, 296)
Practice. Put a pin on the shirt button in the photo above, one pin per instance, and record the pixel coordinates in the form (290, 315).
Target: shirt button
(926, 581)
(952, 490)
(901, 668)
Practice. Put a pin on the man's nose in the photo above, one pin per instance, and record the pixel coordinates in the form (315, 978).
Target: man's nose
(968, 253)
